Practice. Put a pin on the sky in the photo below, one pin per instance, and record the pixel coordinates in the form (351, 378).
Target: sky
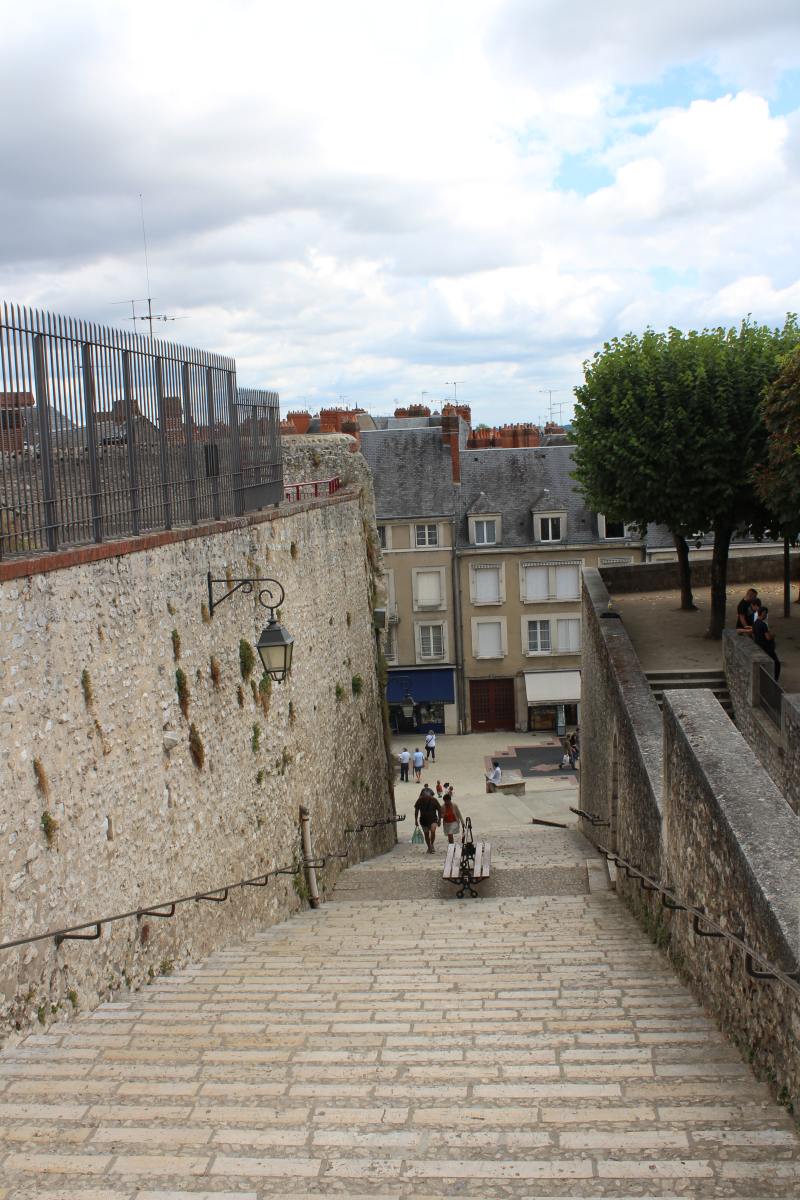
(367, 203)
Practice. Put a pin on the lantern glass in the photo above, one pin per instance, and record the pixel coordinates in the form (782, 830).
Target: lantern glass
(275, 648)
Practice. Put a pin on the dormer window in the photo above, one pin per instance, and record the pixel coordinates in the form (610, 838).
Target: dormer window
(549, 527)
(610, 530)
(484, 530)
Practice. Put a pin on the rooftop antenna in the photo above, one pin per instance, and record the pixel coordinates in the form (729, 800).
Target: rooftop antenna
(150, 316)
(549, 393)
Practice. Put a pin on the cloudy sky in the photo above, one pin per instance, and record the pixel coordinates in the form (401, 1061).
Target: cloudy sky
(371, 200)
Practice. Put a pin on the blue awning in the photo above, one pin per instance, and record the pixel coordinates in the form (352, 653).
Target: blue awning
(425, 686)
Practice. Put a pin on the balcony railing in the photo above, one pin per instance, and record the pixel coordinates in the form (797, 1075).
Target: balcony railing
(293, 493)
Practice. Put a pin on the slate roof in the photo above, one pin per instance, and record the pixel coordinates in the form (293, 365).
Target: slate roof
(411, 471)
(514, 482)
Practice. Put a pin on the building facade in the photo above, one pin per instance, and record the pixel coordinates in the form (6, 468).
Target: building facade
(483, 552)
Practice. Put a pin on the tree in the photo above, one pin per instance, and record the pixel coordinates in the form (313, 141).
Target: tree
(669, 429)
(777, 478)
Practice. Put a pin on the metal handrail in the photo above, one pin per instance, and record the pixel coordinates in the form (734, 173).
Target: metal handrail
(700, 916)
(216, 895)
(592, 818)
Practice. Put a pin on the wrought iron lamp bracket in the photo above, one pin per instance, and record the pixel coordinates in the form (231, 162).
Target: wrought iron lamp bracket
(274, 589)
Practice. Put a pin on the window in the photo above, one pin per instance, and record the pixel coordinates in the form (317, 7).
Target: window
(427, 589)
(568, 633)
(549, 581)
(485, 533)
(487, 585)
(489, 639)
(538, 637)
(550, 529)
(390, 644)
(614, 529)
(431, 641)
(382, 536)
(426, 535)
(568, 582)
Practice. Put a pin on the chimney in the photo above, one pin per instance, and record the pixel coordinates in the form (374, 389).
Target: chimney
(450, 437)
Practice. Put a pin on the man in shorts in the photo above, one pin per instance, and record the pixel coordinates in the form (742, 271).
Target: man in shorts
(428, 814)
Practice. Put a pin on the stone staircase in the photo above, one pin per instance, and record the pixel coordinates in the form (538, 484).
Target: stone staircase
(715, 681)
(517, 1046)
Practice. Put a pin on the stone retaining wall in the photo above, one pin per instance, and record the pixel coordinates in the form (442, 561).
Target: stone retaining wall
(94, 737)
(691, 806)
(776, 746)
(664, 577)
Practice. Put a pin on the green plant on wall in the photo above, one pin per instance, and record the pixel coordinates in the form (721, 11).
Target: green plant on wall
(292, 713)
(215, 671)
(247, 658)
(205, 615)
(255, 739)
(86, 686)
(260, 774)
(196, 747)
(338, 692)
(182, 688)
(357, 685)
(240, 696)
(293, 550)
(284, 761)
(49, 827)
(264, 692)
(176, 644)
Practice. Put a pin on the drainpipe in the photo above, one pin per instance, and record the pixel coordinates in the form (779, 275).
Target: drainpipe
(458, 632)
(308, 857)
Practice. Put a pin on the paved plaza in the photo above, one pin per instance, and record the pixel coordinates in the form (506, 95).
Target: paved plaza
(402, 1043)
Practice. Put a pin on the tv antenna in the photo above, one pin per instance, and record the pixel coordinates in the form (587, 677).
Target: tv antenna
(549, 393)
(149, 316)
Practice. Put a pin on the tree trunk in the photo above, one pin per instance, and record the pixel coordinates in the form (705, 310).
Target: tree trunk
(685, 573)
(787, 578)
(719, 580)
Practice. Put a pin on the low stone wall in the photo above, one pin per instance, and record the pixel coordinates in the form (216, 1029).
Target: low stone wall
(690, 805)
(733, 848)
(620, 777)
(105, 808)
(776, 747)
(664, 577)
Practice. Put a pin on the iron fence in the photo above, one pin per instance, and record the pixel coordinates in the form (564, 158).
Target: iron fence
(105, 434)
(770, 695)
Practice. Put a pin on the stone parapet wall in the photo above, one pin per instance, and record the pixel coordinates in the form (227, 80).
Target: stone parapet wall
(664, 576)
(776, 747)
(691, 806)
(93, 736)
(733, 847)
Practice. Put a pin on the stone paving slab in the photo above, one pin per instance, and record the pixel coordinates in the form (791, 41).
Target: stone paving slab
(509, 1047)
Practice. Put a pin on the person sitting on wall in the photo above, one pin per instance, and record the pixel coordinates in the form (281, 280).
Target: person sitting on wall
(746, 611)
(495, 775)
(764, 639)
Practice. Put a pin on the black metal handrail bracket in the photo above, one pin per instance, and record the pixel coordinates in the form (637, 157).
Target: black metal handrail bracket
(593, 818)
(713, 929)
(166, 908)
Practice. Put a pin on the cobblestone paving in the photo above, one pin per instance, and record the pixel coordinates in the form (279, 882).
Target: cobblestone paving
(534, 1046)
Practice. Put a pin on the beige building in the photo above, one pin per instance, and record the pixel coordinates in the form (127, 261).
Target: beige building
(483, 552)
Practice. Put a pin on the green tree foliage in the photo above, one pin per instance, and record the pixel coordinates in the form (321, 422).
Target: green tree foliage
(669, 429)
(777, 477)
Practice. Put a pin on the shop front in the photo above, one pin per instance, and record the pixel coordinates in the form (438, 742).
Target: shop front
(420, 700)
(553, 700)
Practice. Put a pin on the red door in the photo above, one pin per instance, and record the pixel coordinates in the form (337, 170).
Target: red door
(491, 704)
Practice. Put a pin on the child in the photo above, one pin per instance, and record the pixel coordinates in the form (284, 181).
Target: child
(439, 790)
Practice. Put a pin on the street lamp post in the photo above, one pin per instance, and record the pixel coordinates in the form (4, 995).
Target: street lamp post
(275, 644)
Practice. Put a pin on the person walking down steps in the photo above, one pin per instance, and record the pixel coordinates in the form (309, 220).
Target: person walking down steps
(430, 745)
(428, 814)
(418, 761)
(452, 820)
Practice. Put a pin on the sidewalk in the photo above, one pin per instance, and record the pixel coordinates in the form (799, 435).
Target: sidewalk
(530, 1045)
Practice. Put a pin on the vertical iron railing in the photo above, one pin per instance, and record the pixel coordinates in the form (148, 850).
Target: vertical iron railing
(104, 434)
(770, 694)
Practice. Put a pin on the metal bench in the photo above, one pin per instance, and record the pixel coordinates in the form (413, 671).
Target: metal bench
(467, 863)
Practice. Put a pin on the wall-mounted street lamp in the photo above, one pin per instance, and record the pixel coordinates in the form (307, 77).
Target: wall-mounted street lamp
(275, 644)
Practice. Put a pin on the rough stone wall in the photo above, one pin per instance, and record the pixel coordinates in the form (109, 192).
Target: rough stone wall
(663, 576)
(695, 810)
(621, 752)
(90, 710)
(732, 846)
(777, 749)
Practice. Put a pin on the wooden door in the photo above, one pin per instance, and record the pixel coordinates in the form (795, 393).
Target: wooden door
(491, 704)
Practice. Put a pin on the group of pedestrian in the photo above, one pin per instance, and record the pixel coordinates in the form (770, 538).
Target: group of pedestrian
(431, 810)
(572, 750)
(751, 620)
(417, 760)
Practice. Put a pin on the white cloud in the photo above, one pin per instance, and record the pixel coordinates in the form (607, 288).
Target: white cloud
(361, 199)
